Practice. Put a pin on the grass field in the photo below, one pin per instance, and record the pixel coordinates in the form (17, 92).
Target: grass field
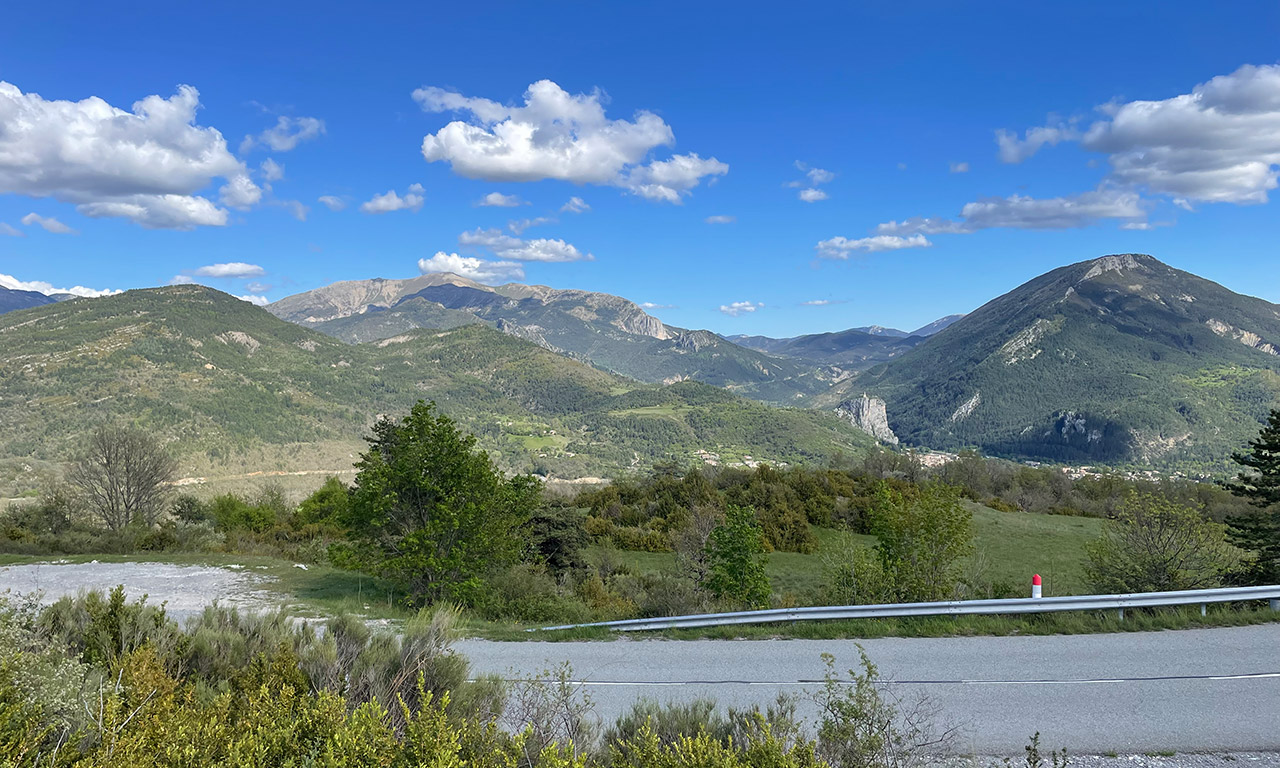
(1009, 547)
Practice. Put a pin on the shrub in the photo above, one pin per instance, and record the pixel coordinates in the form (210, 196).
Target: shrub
(735, 553)
(1154, 545)
(921, 537)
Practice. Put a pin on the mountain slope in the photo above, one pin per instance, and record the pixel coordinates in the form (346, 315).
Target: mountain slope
(1117, 359)
(606, 331)
(229, 387)
(11, 299)
(940, 324)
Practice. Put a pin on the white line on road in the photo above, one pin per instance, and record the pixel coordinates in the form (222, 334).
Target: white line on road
(1096, 681)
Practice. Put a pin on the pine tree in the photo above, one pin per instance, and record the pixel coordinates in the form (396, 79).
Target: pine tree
(1259, 483)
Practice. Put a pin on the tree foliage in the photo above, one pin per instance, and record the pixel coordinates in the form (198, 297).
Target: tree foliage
(1259, 482)
(431, 512)
(124, 475)
(735, 553)
(1155, 545)
(921, 536)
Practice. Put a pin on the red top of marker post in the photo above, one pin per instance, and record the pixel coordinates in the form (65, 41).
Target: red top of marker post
(1035, 580)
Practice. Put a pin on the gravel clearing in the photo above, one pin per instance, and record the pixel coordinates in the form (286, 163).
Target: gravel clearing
(184, 589)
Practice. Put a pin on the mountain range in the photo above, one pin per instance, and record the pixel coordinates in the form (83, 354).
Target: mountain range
(608, 332)
(1114, 360)
(229, 388)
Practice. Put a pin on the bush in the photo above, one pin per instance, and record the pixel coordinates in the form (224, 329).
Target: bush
(736, 561)
(861, 728)
(921, 536)
(1155, 545)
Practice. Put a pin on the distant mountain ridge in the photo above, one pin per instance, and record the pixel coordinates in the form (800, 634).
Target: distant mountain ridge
(609, 332)
(1116, 359)
(11, 299)
(854, 349)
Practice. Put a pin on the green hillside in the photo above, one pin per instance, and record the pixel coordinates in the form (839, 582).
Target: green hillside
(1119, 359)
(230, 387)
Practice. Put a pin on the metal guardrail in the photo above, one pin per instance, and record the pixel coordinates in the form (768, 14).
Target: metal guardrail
(954, 608)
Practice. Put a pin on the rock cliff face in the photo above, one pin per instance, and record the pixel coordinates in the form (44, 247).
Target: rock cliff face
(868, 414)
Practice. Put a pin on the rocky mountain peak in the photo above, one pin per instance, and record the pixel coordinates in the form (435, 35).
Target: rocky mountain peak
(1120, 262)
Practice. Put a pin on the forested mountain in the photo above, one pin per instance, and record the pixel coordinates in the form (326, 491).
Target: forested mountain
(11, 299)
(609, 332)
(226, 384)
(1117, 359)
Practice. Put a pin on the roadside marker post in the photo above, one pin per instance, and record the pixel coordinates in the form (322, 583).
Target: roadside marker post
(1035, 586)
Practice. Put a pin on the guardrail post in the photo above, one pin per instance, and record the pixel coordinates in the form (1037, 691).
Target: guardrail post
(1204, 609)
(1120, 613)
(1275, 605)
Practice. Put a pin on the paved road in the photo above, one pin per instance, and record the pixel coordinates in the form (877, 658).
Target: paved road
(1192, 690)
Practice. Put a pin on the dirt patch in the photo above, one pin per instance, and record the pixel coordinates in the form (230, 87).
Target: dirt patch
(184, 589)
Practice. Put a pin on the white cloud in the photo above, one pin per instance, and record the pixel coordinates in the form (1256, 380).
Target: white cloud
(271, 170)
(257, 301)
(668, 180)
(39, 286)
(390, 201)
(295, 208)
(508, 247)
(813, 177)
(556, 135)
(520, 225)
(819, 176)
(959, 167)
(253, 286)
(720, 219)
(652, 305)
(480, 270)
(332, 203)
(1021, 212)
(159, 211)
(1015, 150)
(241, 193)
(286, 134)
(231, 269)
(499, 200)
(739, 307)
(182, 280)
(812, 195)
(10, 231)
(815, 303)
(146, 165)
(1219, 143)
(843, 247)
(48, 224)
(575, 205)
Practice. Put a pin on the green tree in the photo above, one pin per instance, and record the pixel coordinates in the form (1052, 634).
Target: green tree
(328, 504)
(1259, 483)
(922, 535)
(431, 512)
(1156, 545)
(735, 551)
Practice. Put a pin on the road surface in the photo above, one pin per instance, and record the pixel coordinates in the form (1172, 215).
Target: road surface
(1190, 690)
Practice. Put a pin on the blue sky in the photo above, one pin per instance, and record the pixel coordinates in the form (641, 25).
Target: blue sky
(1149, 127)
